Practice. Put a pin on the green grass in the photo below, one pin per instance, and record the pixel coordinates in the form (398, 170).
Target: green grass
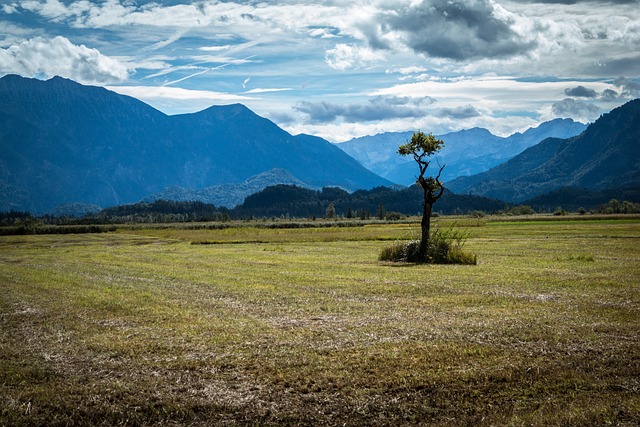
(142, 327)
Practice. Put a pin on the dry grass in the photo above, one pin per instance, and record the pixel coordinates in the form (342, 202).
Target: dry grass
(309, 329)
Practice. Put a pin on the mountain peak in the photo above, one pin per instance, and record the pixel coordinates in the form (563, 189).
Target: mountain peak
(64, 142)
(606, 155)
(225, 111)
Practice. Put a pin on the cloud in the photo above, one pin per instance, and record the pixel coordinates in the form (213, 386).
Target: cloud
(581, 92)
(266, 90)
(408, 70)
(40, 57)
(578, 110)
(167, 92)
(324, 33)
(10, 8)
(630, 88)
(344, 56)
(570, 2)
(163, 43)
(451, 29)
(609, 95)
(175, 100)
(459, 113)
(378, 108)
(51, 9)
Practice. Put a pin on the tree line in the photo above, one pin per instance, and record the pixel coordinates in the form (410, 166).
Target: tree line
(286, 201)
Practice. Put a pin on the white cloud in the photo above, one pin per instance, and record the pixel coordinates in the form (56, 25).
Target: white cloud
(10, 8)
(146, 63)
(51, 9)
(266, 90)
(163, 43)
(40, 57)
(345, 56)
(175, 100)
(166, 92)
(408, 70)
(496, 93)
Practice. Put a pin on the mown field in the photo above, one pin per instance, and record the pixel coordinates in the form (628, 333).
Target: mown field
(255, 326)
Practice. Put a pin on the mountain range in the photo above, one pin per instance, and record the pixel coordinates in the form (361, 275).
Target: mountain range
(62, 142)
(228, 195)
(466, 152)
(71, 146)
(605, 156)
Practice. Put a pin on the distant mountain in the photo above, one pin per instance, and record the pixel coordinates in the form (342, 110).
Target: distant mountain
(466, 152)
(62, 142)
(606, 155)
(228, 195)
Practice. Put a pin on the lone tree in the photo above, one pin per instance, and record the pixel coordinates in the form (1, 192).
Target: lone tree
(422, 147)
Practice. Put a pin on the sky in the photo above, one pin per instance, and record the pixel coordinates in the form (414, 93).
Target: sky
(340, 69)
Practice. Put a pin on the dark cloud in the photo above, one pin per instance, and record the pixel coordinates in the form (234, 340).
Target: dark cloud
(466, 112)
(581, 92)
(572, 108)
(612, 67)
(630, 88)
(453, 29)
(570, 2)
(609, 95)
(379, 108)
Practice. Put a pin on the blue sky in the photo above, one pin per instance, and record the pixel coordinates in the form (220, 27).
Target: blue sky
(340, 69)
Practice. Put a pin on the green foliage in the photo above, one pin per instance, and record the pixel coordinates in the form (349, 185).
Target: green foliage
(579, 257)
(445, 247)
(393, 216)
(560, 211)
(401, 252)
(14, 218)
(616, 207)
(519, 210)
(331, 211)
(159, 211)
(421, 145)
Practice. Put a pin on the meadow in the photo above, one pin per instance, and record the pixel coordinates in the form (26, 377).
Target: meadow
(266, 326)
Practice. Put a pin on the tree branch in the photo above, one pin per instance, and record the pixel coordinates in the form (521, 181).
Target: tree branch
(438, 181)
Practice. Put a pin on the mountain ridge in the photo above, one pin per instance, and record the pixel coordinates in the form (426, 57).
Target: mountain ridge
(465, 152)
(63, 142)
(229, 195)
(606, 155)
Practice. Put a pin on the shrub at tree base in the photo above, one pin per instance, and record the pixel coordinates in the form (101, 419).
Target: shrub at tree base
(445, 247)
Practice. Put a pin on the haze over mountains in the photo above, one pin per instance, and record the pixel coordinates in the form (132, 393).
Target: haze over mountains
(466, 152)
(63, 142)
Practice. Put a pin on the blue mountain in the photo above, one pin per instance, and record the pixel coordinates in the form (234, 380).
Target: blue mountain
(466, 152)
(62, 142)
(605, 156)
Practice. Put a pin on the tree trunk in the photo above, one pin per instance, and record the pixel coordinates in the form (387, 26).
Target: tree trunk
(426, 227)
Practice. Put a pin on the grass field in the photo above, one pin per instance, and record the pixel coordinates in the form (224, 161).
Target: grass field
(305, 327)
